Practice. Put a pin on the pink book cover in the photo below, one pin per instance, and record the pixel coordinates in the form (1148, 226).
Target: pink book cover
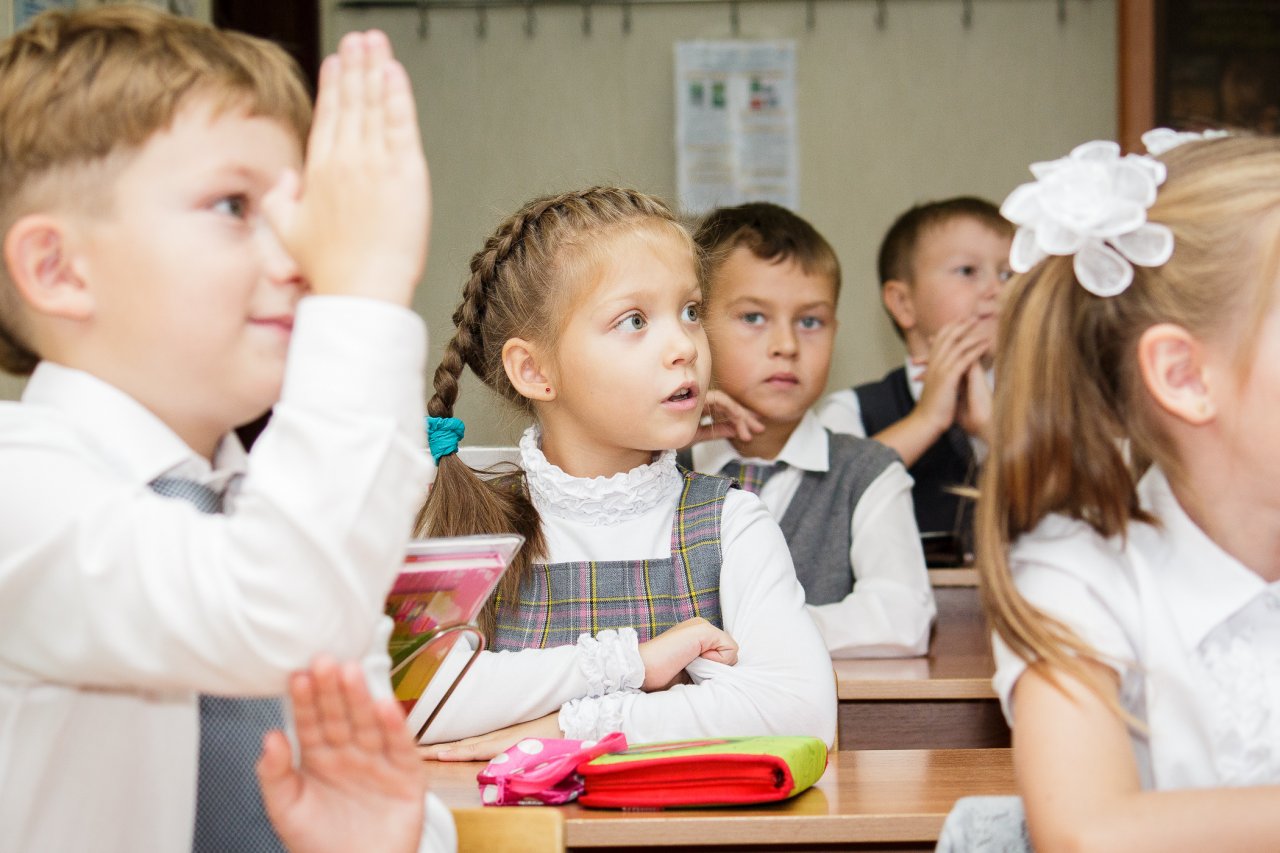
(441, 589)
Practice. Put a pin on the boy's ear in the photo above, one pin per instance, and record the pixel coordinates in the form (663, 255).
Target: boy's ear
(520, 360)
(1174, 370)
(899, 302)
(37, 253)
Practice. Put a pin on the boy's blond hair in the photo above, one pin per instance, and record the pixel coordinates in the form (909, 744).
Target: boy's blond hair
(82, 89)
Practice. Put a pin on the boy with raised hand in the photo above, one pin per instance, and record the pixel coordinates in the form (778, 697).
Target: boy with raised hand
(162, 257)
(844, 503)
(942, 266)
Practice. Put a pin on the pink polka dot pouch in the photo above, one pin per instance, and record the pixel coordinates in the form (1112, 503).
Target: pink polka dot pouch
(542, 771)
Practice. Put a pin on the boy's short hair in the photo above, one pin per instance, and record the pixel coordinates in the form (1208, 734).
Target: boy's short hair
(898, 249)
(771, 233)
(78, 87)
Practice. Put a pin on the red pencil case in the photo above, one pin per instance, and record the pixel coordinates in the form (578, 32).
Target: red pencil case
(714, 772)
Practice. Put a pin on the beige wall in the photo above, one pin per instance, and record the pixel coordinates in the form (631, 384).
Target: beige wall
(920, 110)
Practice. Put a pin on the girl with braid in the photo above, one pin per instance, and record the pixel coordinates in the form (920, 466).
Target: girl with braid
(647, 599)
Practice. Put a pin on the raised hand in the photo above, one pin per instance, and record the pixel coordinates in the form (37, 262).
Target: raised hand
(974, 412)
(359, 784)
(356, 220)
(954, 350)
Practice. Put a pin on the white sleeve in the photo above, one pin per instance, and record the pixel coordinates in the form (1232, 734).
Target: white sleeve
(104, 583)
(1069, 572)
(891, 608)
(504, 688)
(783, 682)
(841, 412)
(439, 834)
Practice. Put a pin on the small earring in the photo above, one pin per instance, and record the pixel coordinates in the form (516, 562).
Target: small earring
(548, 389)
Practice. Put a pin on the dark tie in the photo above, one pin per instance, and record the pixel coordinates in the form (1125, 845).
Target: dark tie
(750, 475)
(229, 812)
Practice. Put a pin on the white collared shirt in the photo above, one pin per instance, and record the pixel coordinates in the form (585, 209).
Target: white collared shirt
(1193, 634)
(118, 606)
(891, 608)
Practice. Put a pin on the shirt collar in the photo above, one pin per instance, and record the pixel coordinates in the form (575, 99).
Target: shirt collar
(1202, 584)
(124, 432)
(914, 383)
(806, 449)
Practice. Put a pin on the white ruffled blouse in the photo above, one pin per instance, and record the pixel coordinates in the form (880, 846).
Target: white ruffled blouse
(781, 684)
(1193, 634)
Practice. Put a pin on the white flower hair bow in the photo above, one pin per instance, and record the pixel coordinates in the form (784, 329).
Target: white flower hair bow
(1161, 139)
(1091, 204)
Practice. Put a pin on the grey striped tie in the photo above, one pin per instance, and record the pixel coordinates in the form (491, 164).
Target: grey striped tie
(229, 812)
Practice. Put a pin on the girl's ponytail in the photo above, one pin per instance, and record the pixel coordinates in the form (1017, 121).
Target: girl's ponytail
(1056, 447)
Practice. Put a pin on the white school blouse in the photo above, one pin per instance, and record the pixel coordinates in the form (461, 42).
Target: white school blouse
(891, 608)
(782, 683)
(1192, 633)
(118, 606)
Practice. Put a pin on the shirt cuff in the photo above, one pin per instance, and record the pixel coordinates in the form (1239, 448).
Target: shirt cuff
(610, 661)
(356, 355)
(593, 718)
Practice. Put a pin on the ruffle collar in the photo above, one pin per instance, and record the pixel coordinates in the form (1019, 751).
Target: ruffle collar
(595, 501)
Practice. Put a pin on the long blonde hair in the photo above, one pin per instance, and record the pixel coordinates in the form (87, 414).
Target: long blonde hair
(1069, 392)
(522, 285)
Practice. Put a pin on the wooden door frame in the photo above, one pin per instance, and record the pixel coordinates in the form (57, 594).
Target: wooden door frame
(1136, 71)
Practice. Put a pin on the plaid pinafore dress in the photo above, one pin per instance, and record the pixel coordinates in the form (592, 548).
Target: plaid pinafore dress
(559, 601)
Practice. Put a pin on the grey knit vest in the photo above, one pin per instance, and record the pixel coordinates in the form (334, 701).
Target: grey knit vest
(817, 523)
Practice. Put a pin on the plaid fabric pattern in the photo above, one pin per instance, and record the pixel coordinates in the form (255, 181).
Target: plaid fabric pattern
(559, 601)
(751, 476)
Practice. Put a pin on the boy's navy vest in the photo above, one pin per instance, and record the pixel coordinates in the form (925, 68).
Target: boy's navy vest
(817, 522)
(949, 462)
(557, 602)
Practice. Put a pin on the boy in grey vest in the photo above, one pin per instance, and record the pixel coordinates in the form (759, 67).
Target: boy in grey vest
(844, 503)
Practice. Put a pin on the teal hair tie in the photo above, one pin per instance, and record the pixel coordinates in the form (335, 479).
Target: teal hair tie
(443, 435)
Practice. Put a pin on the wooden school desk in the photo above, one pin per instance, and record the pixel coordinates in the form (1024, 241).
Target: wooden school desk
(942, 701)
(867, 800)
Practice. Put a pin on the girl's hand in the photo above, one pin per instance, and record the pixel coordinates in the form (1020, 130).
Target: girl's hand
(356, 220)
(666, 655)
(485, 747)
(358, 784)
(725, 417)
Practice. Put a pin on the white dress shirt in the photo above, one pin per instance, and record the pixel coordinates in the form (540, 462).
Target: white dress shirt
(891, 608)
(1193, 634)
(118, 606)
(782, 683)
